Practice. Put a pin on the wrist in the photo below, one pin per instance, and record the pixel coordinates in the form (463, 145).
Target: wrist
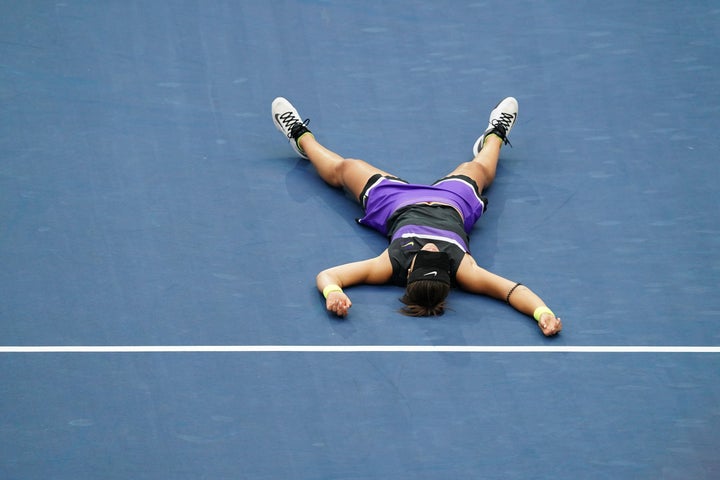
(330, 289)
(540, 311)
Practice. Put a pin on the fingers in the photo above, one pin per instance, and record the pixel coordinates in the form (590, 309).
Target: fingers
(550, 325)
(340, 309)
(338, 303)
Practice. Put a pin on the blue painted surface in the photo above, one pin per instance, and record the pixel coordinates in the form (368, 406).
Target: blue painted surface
(146, 199)
(360, 416)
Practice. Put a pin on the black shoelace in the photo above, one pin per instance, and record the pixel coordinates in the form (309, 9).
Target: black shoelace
(291, 122)
(502, 125)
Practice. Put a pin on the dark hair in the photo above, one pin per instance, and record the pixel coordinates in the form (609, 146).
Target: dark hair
(425, 298)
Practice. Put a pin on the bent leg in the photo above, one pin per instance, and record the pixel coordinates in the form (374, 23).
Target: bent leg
(482, 168)
(337, 170)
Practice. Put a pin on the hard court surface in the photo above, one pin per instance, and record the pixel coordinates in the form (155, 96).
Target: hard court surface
(146, 200)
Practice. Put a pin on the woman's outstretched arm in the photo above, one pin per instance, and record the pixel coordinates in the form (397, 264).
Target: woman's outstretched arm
(475, 279)
(330, 282)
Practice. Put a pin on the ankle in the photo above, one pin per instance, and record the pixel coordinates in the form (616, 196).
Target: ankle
(304, 138)
(494, 139)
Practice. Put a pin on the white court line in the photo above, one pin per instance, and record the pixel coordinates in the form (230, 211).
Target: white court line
(357, 349)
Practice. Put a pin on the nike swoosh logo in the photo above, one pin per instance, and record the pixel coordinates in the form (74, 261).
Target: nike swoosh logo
(433, 273)
(409, 244)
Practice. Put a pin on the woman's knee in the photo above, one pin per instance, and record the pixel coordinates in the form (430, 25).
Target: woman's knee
(336, 172)
(350, 169)
(355, 173)
(486, 176)
(340, 172)
(476, 171)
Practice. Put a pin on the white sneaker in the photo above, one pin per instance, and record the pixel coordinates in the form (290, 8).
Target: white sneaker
(502, 119)
(287, 120)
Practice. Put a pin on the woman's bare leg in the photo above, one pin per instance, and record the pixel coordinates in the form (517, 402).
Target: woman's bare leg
(337, 170)
(482, 168)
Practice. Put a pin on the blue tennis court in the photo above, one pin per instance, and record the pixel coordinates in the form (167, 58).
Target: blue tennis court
(159, 241)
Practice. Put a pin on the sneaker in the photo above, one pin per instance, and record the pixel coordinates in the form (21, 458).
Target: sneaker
(287, 120)
(502, 119)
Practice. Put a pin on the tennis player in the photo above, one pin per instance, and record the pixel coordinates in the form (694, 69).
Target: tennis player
(428, 226)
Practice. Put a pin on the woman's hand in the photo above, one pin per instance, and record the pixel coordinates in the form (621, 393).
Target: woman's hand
(338, 303)
(549, 324)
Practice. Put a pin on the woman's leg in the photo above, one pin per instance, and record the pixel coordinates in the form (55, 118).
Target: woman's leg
(482, 168)
(336, 170)
(487, 147)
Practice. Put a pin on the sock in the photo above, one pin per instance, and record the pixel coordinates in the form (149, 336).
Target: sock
(297, 142)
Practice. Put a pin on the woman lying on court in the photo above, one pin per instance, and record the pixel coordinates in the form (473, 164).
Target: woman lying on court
(428, 225)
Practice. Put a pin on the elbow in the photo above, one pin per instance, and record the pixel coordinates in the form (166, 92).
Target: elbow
(327, 277)
(321, 278)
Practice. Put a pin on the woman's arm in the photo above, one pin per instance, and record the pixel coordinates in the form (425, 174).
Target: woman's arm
(475, 279)
(331, 281)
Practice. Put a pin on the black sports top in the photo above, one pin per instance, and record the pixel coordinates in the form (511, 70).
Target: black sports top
(412, 227)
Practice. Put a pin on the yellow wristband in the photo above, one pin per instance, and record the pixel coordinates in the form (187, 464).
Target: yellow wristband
(331, 288)
(540, 311)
